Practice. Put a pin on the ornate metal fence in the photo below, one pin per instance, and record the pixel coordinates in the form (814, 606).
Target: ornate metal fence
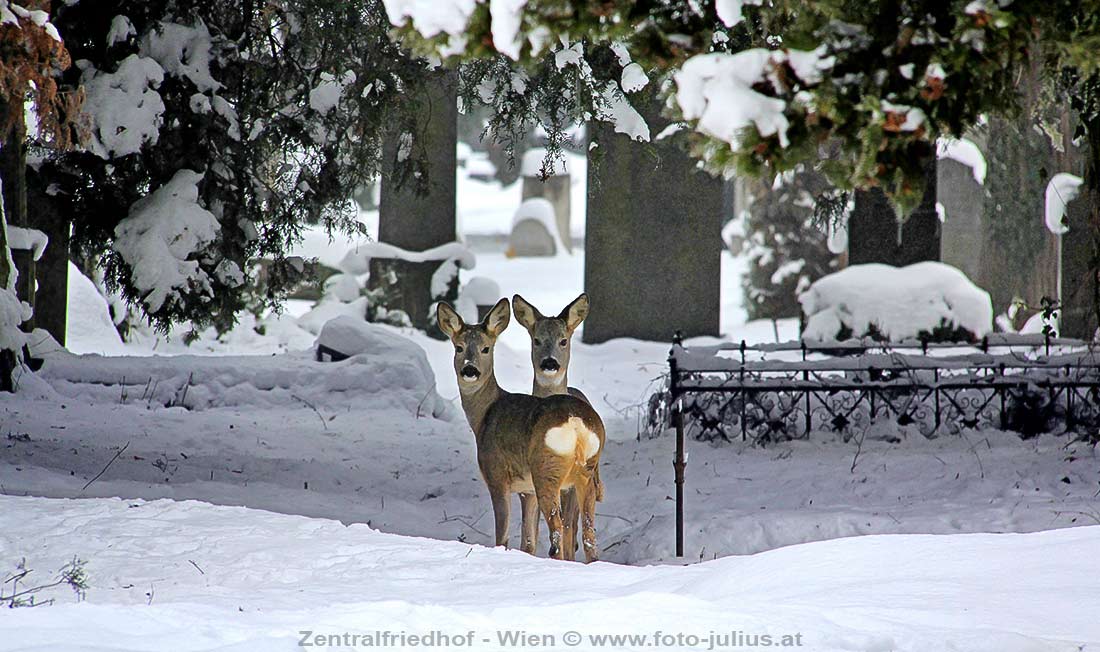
(1025, 383)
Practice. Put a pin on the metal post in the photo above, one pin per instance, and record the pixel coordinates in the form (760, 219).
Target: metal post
(678, 462)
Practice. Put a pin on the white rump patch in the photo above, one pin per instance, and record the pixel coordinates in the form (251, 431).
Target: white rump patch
(571, 435)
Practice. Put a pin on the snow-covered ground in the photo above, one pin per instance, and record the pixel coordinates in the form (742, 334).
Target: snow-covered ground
(187, 576)
(281, 450)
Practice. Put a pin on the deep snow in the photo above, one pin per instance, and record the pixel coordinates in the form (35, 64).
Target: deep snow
(277, 443)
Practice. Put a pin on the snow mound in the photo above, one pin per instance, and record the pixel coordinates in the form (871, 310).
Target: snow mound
(908, 593)
(898, 302)
(89, 328)
(390, 372)
(315, 320)
(161, 237)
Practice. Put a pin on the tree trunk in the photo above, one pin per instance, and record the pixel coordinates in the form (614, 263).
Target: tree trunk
(13, 165)
(52, 270)
(653, 238)
(875, 236)
(415, 221)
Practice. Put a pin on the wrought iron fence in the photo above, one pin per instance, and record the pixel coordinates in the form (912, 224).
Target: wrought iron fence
(1025, 383)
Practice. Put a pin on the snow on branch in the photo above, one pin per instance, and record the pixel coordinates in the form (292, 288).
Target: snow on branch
(161, 239)
(717, 90)
(124, 107)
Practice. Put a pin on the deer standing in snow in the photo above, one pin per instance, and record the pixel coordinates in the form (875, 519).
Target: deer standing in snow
(551, 338)
(532, 446)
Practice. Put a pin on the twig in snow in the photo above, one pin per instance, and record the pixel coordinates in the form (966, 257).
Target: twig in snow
(190, 561)
(104, 470)
(312, 407)
(859, 449)
(974, 449)
(621, 518)
(426, 395)
(465, 521)
(1093, 516)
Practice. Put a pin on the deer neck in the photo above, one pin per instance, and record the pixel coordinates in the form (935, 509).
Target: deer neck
(476, 403)
(561, 386)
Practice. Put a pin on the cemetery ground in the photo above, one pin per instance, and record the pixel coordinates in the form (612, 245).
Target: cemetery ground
(240, 499)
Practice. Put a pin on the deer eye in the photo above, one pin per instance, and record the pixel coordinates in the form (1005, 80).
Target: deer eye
(538, 342)
(458, 349)
(562, 343)
(485, 350)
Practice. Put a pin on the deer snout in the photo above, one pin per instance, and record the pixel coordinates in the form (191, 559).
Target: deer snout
(550, 365)
(470, 372)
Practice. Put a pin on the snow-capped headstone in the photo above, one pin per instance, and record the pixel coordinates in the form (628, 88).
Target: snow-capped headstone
(653, 236)
(420, 221)
(534, 229)
(963, 202)
(554, 189)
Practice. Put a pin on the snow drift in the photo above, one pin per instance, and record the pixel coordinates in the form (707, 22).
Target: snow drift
(897, 303)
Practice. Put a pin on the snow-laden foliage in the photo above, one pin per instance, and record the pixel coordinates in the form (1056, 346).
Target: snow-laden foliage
(786, 247)
(924, 300)
(163, 238)
(281, 106)
(123, 106)
(881, 81)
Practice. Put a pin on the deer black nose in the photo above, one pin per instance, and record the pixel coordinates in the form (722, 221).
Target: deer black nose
(470, 371)
(549, 364)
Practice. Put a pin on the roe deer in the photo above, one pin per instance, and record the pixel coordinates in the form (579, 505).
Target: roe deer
(551, 339)
(525, 444)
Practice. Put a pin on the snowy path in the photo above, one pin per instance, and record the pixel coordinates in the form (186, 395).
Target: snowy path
(270, 433)
(183, 577)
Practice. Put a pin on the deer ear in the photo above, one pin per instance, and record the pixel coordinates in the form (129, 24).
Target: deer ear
(574, 313)
(526, 314)
(449, 320)
(497, 319)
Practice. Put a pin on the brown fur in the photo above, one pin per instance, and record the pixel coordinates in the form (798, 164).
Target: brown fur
(552, 338)
(510, 432)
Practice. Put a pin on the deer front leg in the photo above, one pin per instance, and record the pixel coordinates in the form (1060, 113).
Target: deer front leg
(530, 506)
(570, 512)
(550, 505)
(499, 496)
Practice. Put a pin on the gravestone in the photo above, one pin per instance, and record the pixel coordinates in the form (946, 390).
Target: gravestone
(652, 237)
(963, 233)
(555, 189)
(533, 229)
(875, 236)
(1080, 290)
(413, 221)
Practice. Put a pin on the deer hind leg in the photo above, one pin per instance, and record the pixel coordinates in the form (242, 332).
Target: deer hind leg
(587, 492)
(530, 506)
(550, 505)
(570, 513)
(499, 496)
